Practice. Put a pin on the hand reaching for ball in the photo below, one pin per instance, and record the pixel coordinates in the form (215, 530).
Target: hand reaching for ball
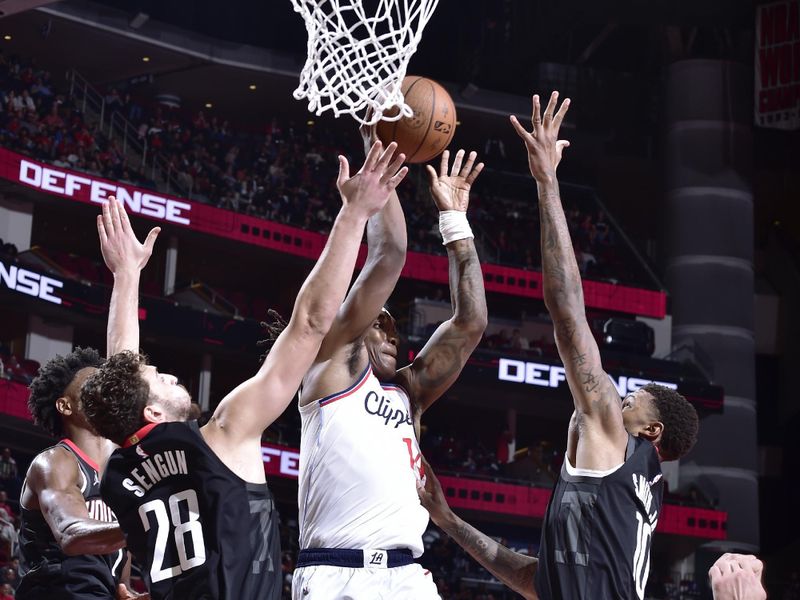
(450, 191)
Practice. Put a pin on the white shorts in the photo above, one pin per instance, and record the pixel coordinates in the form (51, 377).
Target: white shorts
(324, 582)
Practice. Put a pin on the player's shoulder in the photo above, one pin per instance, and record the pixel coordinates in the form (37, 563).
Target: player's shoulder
(54, 456)
(56, 460)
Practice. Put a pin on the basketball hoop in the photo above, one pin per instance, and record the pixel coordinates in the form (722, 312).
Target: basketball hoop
(357, 60)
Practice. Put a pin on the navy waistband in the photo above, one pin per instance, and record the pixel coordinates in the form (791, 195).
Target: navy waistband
(354, 559)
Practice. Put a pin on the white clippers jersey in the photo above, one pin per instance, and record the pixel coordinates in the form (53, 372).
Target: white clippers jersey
(359, 466)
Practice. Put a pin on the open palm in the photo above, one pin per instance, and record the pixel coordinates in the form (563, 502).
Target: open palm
(450, 191)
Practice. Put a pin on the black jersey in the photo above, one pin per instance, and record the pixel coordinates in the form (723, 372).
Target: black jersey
(598, 530)
(51, 574)
(198, 530)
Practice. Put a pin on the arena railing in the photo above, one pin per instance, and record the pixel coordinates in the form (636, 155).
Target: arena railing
(115, 126)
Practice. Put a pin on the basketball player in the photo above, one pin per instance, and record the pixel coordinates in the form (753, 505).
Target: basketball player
(361, 522)
(193, 502)
(70, 542)
(601, 517)
(732, 576)
(70, 539)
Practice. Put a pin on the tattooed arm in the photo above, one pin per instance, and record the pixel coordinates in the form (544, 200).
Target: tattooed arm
(515, 570)
(597, 404)
(439, 363)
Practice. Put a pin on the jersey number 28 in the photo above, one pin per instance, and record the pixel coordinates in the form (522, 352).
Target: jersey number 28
(192, 529)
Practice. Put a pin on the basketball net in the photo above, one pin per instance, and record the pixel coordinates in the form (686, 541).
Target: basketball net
(356, 61)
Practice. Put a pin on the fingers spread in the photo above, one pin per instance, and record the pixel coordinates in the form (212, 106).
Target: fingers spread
(386, 157)
(392, 169)
(432, 176)
(373, 156)
(562, 111)
(520, 129)
(457, 163)
(443, 163)
(151, 238)
(395, 181)
(474, 173)
(551, 107)
(468, 165)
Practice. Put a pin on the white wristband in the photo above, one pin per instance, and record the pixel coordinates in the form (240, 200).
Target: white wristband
(453, 225)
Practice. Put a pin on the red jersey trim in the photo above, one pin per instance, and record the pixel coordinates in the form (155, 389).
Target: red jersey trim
(139, 435)
(74, 447)
(351, 390)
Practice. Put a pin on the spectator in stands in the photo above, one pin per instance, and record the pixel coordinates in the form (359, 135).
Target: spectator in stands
(113, 100)
(10, 577)
(6, 592)
(27, 101)
(8, 469)
(268, 174)
(8, 535)
(4, 505)
(518, 341)
(506, 447)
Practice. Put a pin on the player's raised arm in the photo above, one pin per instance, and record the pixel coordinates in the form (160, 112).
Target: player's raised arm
(512, 568)
(596, 399)
(386, 254)
(443, 357)
(250, 408)
(125, 257)
(55, 480)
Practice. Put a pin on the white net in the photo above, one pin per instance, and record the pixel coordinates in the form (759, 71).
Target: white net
(358, 55)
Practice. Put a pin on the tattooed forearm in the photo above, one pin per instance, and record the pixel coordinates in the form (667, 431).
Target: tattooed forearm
(466, 284)
(513, 569)
(563, 294)
(438, 364)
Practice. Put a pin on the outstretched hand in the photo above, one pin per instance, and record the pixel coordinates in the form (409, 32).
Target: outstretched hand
(381, 173)
(118, 243)
(544, 147)
(431, 495)
(451, 191)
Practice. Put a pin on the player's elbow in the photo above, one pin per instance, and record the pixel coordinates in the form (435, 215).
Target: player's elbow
(393, 251)
(71, 545)
(388, 258)
(472, 327)
(316, 321)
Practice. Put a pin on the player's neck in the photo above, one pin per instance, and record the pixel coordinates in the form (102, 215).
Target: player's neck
(92, 445)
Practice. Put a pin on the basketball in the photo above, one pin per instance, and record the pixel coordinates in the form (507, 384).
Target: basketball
(428, 132)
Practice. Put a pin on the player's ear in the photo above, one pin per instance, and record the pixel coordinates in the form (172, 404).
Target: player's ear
(64, 405)
(653, 431)
(153, 413)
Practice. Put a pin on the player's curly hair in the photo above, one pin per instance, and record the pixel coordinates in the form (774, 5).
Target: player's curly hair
(679, 418)
(51, 383)
(114, 398)
(273, 327)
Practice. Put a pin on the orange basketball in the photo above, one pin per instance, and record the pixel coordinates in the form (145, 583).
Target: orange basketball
(428, 132)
